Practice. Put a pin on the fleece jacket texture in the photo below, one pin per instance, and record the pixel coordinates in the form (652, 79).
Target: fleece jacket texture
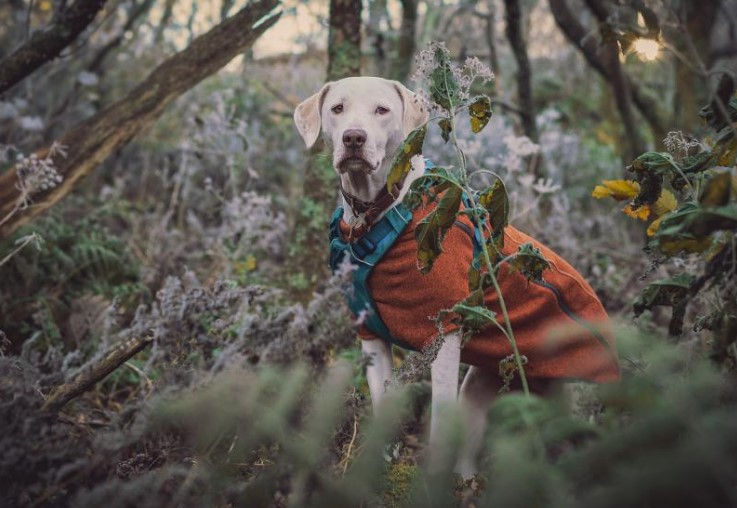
(559, 323)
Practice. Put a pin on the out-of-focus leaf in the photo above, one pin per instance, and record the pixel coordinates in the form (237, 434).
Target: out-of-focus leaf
(717, 190)
(726, 149)
(698, 162)
(712, 114)
(710, 220)
(654, 162)
(431, 230)
(480, 112)
(617, 189)
(674, 235)
(445, 128)
(530, 261)
(402, 164)
(673, 292)
(444, 88)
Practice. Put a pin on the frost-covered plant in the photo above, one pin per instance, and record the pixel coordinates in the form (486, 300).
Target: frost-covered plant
(435, 56)
(228, 324)
(35, 175)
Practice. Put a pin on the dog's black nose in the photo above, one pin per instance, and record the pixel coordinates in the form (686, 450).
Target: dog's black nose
(354, 138)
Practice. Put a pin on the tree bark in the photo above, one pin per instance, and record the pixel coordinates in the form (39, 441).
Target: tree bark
(692, 90)
(578, 36)
(92, 141)
(515, 35)
(406, 42)
(83, 382)
(48, 43)
(308, 252)
(632, 140)
(344, 39)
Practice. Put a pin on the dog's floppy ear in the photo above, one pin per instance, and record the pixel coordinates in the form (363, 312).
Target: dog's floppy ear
(307, 116)
(415, 112)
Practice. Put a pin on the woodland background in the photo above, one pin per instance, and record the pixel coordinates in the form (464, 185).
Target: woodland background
(170, 334)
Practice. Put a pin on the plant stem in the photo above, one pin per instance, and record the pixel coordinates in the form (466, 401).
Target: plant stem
(487, 260)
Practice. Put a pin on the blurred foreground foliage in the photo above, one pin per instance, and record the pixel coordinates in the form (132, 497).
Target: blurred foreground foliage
(248, 435)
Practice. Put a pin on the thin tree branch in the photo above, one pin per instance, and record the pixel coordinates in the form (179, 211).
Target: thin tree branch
(92, 141)
(47, 44)
(86, 380)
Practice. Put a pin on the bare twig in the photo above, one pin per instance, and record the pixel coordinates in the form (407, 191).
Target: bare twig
(62, 394)
(347, 457)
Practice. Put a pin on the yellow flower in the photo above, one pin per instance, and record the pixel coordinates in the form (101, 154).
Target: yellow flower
(641, 212)
(617, 189)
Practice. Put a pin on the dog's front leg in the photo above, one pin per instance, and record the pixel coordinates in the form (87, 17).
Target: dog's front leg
(444, 414)
(379, 369)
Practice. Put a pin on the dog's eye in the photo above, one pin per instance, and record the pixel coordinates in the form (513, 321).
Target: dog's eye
(337, 109)
(381, 110)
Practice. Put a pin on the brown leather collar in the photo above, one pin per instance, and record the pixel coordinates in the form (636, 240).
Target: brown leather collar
(366, 212)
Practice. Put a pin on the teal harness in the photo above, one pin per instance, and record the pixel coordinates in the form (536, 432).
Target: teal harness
(367, 251)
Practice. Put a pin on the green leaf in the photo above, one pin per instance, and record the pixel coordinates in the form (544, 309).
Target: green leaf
(431, 230)
(445, 128)
(444, 88)
(673, 292)
(431, 184)
(480, 112)
(653, 162)
(496, 201)
(474, 317)
(529, 261)
(401, 166)
(674, 236)
(709, 220)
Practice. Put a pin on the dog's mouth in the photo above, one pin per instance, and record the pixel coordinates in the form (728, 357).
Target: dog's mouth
(355, 163)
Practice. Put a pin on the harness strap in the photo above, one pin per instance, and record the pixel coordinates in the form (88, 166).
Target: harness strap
(365, 250)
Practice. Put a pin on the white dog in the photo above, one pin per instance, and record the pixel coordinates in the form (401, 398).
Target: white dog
(364, 121)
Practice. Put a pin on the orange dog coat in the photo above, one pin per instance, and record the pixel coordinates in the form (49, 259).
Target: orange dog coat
(559, 323)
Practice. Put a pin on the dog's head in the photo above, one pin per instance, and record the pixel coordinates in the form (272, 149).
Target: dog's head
(363, 121)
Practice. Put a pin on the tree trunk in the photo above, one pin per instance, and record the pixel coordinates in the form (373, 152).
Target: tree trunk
(48, 43)
(515, 35)
(308, 251)
(92, 141)
(578, 36)
(344, 39)
(406, 43)
(692, 90)
(631, 138)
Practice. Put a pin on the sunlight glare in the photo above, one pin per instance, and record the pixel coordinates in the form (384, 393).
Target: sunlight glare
(647, 49)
